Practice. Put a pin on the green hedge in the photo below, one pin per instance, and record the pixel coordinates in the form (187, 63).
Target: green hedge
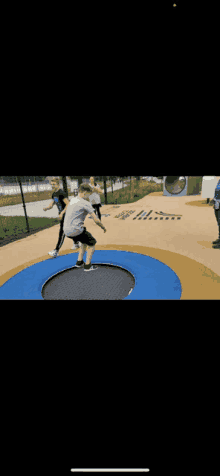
(194, 185)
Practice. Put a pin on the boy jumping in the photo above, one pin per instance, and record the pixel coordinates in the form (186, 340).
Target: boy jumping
(76, 212)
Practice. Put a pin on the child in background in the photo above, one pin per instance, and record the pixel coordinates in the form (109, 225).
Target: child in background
(60, 199)
(217, 213)
(95, 199)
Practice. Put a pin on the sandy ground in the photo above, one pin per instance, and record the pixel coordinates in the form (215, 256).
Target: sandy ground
(185, 245)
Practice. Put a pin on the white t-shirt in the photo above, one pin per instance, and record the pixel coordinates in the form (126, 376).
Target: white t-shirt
(94, 197)
(76, 213)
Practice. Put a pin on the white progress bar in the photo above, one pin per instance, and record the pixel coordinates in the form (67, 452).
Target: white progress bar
(105, 470)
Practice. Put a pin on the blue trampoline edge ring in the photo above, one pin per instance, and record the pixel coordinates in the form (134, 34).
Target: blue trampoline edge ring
(153, 279)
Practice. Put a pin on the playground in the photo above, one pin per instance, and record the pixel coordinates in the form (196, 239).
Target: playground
(165, 243)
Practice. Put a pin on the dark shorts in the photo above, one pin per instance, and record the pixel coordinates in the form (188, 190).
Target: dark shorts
(86, 238)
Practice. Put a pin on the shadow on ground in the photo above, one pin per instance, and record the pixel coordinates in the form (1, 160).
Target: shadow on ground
(200, 203)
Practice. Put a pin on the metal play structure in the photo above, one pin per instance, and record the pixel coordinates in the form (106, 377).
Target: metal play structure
(174, 185)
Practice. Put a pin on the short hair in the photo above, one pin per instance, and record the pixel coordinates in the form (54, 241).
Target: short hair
(94, 181)
(84, 187)
(55, 179)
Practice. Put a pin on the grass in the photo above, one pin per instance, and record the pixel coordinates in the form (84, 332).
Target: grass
(132, 193)
(13, 228)
(6, 200)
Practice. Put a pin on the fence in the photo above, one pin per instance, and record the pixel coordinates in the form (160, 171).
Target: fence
(14, 189)
(153, 179)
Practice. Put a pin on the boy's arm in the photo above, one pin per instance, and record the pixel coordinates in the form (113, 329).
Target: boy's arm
(67, 202)
(98, 190)
(49, 206)
(97, 221)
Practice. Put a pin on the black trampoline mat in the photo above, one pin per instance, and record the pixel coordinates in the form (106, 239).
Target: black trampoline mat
(107, 282)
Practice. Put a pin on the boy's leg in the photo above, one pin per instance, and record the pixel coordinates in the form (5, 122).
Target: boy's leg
(218, 220)
(99, 213)
(217, 214)
(90, 247)
(61, 235)
(82, 252)
(90, 253)
(95, 209)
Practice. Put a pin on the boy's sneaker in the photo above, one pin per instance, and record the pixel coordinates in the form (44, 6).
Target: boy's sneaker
(216, 242)
(79, 264)
(90, 267)
(54, 253)
(76, 246)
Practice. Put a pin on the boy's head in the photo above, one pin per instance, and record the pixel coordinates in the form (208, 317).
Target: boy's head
(55, 182)
(92, 181)
(85, 191)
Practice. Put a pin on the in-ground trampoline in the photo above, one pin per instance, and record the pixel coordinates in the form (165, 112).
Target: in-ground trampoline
(121, 275)
(106, 282)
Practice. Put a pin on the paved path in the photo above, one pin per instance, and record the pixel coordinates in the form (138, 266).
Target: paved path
(35, 209)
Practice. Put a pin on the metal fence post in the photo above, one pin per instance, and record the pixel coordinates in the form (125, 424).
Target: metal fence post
(22, 196)
(65, 184)
(105, 189)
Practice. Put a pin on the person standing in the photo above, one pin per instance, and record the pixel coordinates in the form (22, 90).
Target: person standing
(217, 213)
(95, 199)
(60, 199)
(77, 210)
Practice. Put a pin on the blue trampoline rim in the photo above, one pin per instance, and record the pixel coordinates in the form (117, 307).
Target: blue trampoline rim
(119, 262)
